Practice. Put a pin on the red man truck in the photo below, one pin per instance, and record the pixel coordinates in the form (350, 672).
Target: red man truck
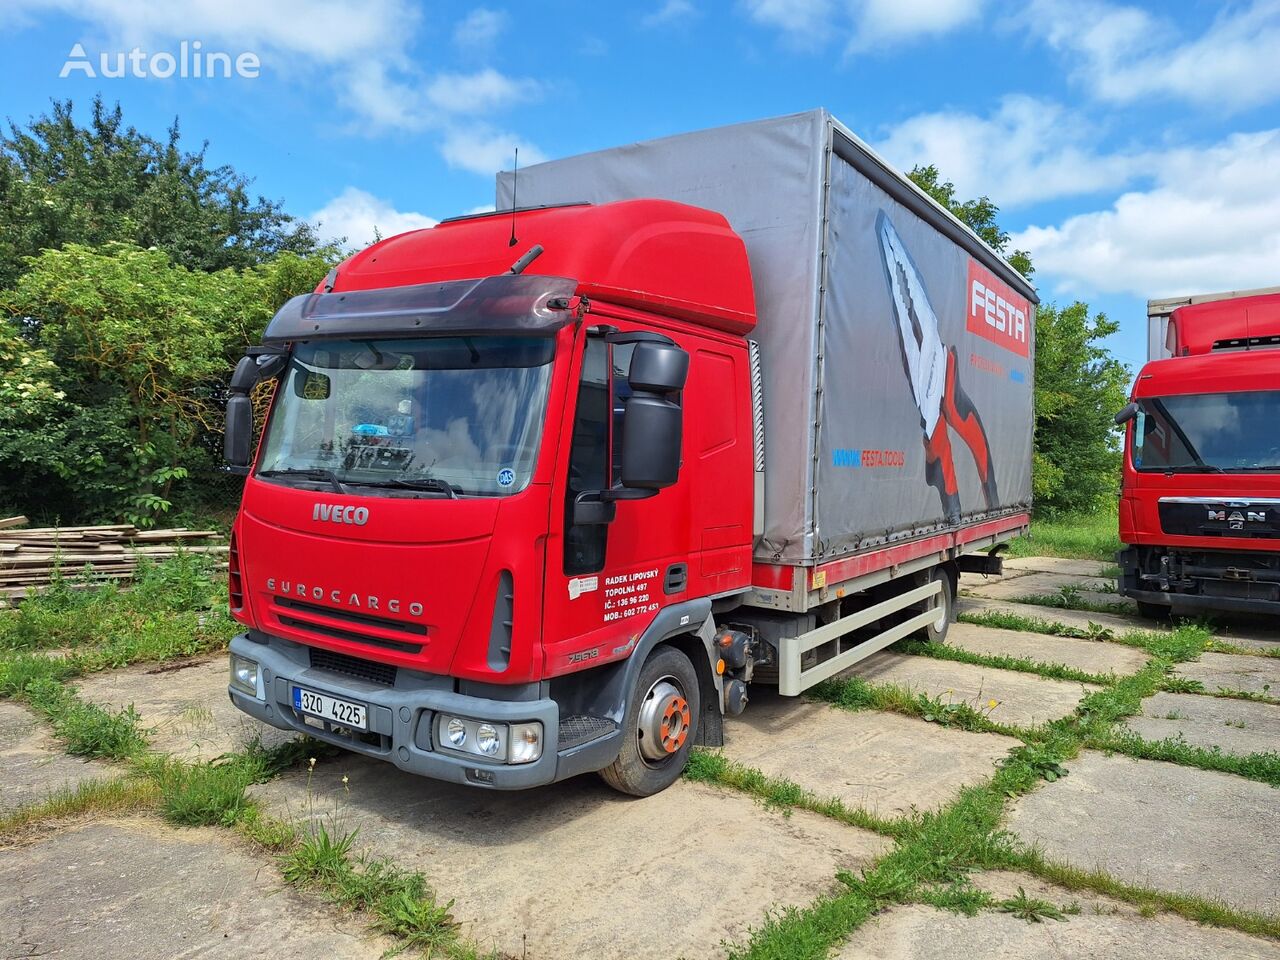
(1200, 499)
(541, 492)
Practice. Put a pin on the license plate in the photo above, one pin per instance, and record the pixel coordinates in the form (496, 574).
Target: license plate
(342, 712)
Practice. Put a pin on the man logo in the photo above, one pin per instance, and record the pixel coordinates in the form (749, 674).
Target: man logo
(336, 513)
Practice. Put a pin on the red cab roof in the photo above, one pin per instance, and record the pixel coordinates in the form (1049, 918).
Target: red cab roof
(1210, 373)
(655, 254)
(1200, 325)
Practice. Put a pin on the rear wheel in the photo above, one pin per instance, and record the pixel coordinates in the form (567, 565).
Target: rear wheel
(662, 711)
(944, 604)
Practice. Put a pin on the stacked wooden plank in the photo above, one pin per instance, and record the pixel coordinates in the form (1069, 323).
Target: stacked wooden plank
(29, 556)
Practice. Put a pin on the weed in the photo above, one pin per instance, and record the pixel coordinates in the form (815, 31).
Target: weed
(1054, 671)
(959, 896)
(320, 858)
(1014, 621)
(86, 729)
(1030, 909)
(1042, 760)
(1070, 598)
(1081, 537)
(1177, 684)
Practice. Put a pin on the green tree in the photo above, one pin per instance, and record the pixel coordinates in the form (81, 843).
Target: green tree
(63, 182)
(1078, 384)
(133, 352)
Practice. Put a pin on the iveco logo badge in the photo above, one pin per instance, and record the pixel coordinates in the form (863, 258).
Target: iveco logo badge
(336, 513)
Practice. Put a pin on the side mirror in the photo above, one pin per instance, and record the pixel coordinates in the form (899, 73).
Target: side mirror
(1128, 413)
(237, 444)
(591, 510)
(654, 423)
(311, 386)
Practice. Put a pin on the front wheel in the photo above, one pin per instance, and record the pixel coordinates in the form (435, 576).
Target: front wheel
(662, 710)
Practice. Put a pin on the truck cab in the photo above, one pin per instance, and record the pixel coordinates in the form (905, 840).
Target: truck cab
(1200, 499)
(466, 493)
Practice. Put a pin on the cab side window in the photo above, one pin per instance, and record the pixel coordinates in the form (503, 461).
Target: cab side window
(584, 545)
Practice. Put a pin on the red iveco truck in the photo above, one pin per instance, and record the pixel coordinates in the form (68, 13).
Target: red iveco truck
(1200, 500)
(542, 491)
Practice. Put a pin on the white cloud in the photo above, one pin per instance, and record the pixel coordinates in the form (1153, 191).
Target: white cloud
(356, 217)
(362, 47)
(483, 150)
(1124, 54)
(670, 12)
(478, 92)
(1026, 151)
(479, 29)
(1211, 221)
(863, 25)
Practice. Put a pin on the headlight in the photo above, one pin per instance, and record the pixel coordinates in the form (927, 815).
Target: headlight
(487, 739)
(525, 742)
(244, 676)
(457, 732)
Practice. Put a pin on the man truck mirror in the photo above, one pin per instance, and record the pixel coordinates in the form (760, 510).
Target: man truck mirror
(653, 424)
(1128, 413)
(238, 441)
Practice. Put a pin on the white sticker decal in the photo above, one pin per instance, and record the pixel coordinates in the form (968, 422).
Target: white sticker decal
(506, 477)
(580, 585)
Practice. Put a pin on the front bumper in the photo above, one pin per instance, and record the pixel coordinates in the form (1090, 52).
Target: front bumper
(401, 719)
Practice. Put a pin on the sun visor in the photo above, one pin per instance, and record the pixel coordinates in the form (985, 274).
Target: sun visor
(514, 305)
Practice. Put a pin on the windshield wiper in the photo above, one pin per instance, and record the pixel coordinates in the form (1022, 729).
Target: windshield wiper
(416, 483)
(314, 473)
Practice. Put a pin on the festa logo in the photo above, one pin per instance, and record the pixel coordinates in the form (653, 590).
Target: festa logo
(996, 313)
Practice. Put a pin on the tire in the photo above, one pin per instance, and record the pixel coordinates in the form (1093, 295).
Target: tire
(1152, 611)
(662, 715)
(945, 603)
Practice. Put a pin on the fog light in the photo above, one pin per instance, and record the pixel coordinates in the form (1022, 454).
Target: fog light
(244, 676)
(487, 739)
(457, 732)
(526, 742)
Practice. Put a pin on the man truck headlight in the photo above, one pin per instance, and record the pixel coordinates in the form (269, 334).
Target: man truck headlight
(506, 743)
(245, 676)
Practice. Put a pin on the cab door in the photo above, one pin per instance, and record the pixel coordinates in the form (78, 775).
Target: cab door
(605, 582)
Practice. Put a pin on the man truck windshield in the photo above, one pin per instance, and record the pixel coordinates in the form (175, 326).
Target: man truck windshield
(446, 416)
(1209, 432)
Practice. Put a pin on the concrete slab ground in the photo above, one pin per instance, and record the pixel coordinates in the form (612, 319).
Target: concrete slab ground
(1158, 824)
(1072, 568)
(581, 870)
(185, 704)
(1080, 619)
(1092, 656)
(1226, 671)
(33, 763)
(1093, 589)
(880, 762)
(1102, 929)
(1236, 726)
(1023, 699)
(138, 889)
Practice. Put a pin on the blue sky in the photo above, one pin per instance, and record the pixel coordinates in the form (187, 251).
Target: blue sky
(1134, 149)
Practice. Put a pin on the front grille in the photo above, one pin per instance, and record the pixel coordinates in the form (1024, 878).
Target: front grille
(382, 673)
(353, 621)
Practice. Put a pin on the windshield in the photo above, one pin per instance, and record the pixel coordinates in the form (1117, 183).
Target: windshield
(445, 416)
(1208, 432)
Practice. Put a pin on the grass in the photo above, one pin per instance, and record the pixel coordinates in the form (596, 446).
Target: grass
(1013, 621)
(1053, 671)
(124, 794)
(1082, 537)
(86, 729)
(935, 852)
(1070, 598)
(855, 693)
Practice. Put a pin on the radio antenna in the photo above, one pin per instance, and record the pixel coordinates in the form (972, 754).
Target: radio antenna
(515, 179)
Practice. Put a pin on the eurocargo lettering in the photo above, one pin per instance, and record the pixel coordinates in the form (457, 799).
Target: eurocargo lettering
(547, 491)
